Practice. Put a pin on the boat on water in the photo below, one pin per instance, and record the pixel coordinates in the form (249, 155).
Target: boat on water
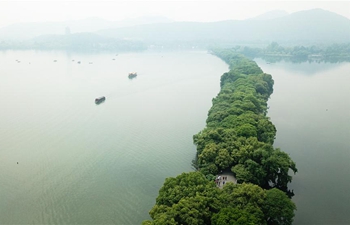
(132, 75)
(100, 99)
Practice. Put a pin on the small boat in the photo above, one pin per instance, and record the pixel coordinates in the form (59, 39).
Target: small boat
(100, 99)
(132, 75)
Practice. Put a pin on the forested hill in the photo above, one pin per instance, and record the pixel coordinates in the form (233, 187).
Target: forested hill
(238, 137)
(304, 27)
(311, 27)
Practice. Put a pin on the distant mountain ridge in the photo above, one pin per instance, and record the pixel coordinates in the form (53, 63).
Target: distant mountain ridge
(303, 27)
(271, 15)
(308, 26)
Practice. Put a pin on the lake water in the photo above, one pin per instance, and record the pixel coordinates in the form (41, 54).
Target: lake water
(81, 163)
(310, 108)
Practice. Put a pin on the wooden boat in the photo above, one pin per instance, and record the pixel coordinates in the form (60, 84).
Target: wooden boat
(100, 99)
(132, 75)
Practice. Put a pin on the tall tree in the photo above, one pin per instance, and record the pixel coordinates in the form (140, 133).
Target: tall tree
(278, 208)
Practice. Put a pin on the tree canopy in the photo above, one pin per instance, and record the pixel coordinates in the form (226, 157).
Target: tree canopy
(201, 203)
(337, 52)
(239, 137)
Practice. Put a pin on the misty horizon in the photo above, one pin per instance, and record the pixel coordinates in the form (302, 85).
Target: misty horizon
(13, 12)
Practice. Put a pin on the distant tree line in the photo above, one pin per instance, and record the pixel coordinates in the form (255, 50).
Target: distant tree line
(74, 42)
(238, 137)
(321, 53)
(95, 42)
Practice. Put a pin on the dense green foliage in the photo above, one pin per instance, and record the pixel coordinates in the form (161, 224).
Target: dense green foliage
(238, 137)
(192, 199)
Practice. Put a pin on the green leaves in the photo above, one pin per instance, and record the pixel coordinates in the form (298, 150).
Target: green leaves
(223, 159)
(278, 208)
(278, 165)
(187, 199)
(191, 199)
(241, 108)
(184, 185)
(234, 216)
(246, 130)
(238, 136)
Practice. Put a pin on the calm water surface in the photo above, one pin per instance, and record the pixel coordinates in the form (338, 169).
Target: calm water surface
(81, 163)
(310, 108)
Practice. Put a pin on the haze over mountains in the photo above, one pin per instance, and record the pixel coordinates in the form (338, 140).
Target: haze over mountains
(303, 27)
(21, 31)
(271, 15)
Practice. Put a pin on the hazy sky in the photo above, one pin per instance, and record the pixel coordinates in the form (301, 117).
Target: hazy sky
(49, 10)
